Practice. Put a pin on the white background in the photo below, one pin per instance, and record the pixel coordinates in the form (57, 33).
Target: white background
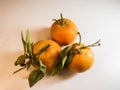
(96, 19)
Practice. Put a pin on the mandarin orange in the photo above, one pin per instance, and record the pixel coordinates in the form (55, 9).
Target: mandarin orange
(50, 55)
(82, 60)
(63, 31)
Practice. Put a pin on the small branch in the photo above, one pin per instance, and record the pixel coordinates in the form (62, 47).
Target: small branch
(19, 70)
(91, 45)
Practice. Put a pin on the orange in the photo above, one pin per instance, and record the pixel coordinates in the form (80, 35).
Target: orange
(63, 31)
(82, 61)
(50, 55)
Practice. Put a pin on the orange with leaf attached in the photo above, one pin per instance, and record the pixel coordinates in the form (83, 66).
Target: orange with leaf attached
(82, 60)
(50, 55)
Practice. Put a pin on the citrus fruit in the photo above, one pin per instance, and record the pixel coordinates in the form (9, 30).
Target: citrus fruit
(82, 60)
(63, 31)
(50, 55)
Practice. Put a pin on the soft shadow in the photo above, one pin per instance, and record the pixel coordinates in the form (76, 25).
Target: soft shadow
(40, 34)
(10, 80)
(66, 74)
(63, 75)
(8, 64)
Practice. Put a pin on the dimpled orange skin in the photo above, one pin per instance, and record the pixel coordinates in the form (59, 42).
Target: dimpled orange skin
(82, 62)
(63, 34)
(50, 55)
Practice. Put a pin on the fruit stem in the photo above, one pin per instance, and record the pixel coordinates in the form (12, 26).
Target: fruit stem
(91, 45)
(62, 19)
(79, 37)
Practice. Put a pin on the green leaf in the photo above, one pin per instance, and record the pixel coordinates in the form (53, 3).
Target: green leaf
(42, 67)
(21, 59)
(37, 75)
(56, 70)
(63, 61)
(60, 64)
(69, 59)
(29, 47)
(24, 43)
(65, 51)
(27, 36)
(34, 77)
(42, 50)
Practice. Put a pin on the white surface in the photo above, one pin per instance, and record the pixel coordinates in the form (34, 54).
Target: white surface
(94, 18)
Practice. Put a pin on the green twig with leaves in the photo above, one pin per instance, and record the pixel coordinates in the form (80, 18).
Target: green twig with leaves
(28, 59)
(67, 55)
